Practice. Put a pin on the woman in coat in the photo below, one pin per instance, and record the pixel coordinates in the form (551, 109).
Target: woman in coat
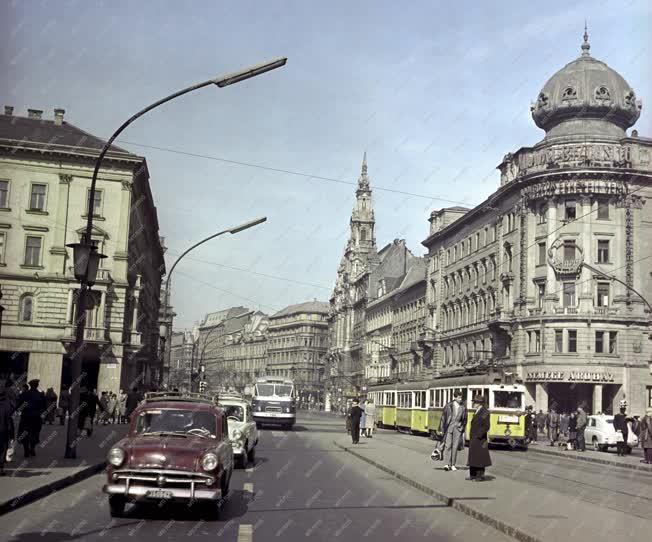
(370, 417)
(479, 457)
(645, 435)
(363, 420)
(572, 431)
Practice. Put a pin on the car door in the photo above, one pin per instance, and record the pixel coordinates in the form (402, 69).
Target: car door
(252, 432)
(590, 431)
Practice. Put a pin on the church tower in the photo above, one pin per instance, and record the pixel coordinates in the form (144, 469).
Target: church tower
(362, 241)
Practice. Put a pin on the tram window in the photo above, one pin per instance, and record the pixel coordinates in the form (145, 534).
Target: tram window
(431, 402)
(507, 399)
(417, 399)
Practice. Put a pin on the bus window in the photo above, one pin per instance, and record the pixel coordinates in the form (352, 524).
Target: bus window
(507, 399)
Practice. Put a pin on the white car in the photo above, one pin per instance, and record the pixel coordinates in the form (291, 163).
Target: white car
(243, 433)
(601, 434)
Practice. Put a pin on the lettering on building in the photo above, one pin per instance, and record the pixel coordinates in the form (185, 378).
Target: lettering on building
(571, 376)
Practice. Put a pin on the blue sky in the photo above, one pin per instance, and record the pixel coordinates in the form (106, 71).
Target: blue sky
(435, 92)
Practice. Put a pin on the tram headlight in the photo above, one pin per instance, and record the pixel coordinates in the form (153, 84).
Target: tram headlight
(507, 432)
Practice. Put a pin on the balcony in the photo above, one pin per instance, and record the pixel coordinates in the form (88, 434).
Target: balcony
(94, 334)
(103, 275)
(566, 310)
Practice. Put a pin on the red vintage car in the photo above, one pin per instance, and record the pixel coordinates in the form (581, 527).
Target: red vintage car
(177, 449)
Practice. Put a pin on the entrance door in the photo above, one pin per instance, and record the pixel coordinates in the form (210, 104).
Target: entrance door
(90, 373)
(13, 365)
(567, 397)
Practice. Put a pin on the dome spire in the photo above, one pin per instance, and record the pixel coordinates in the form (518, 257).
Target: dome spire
(586, 45)
(363, 181)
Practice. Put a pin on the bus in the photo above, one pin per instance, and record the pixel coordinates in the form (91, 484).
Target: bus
(274, 402)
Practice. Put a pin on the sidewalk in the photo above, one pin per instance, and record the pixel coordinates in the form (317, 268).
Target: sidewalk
(524, 511)
(29, 479)
(632, 461)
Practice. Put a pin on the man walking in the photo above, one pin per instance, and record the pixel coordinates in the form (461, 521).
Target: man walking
(133, 398)
(553, 425)
(64, 404)
(541, 421)
(563, 424)
(620, 424)
(530, 425)
(451, 426)
(32, 405)
(582, 420)
(355, 414)
(479, 457)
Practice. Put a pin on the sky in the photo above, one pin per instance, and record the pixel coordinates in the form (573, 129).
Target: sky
(436, 93)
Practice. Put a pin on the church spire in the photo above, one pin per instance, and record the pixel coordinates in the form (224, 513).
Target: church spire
(586, 45)
(363, 181)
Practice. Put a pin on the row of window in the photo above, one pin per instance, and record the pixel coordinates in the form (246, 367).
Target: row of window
(569, 294)
(605, 342)
(570, 251)
(468, 312)
(469, 276)
(456, 354)
(468, 246)
(38, 197)
(33, 253)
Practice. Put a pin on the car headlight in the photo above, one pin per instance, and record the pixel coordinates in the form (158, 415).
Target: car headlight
(209, 461)
(116, 456)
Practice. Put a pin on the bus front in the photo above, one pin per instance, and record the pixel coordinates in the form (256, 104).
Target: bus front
(274, 403)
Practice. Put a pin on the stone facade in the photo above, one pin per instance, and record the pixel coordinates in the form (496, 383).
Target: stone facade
(245, 352)
(297, 342)
(45, 172)
(543, 278)
(182, 352)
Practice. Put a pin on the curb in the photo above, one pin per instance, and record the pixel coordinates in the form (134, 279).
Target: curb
(451, 502)
(43, 491)
(611, 463)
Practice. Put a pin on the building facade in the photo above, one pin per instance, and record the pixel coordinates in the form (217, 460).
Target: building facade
(245, 352)
(297, 343)
(45, 172)
(182, 351)
(547, 278)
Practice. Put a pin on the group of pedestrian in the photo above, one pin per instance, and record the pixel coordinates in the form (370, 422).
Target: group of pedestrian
(361, 419)
(569, 425)
(113, 408)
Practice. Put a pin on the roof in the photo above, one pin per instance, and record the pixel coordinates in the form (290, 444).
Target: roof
(216, 318)
(47, 134)
(309, 306)
(416, 273)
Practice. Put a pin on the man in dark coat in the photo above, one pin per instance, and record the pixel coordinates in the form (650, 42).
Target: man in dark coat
(620, 424)
(32, 405)
(479, 457)
(88, 405)
(133, 398)
(530, 425)
(6, 426)
(355, 414)
(541, 421)
(553, 425)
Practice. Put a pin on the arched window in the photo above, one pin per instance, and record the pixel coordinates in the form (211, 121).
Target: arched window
(27, 308)
(363, 234)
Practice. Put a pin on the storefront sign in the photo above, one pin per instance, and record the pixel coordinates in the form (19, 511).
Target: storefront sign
(574, 154)
(568, 376)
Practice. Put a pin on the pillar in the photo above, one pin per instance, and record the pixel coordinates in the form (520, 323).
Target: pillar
(597, 399)
(530, 395)
(69, 308)
(108, 378)
(46, 366)
(541, 397)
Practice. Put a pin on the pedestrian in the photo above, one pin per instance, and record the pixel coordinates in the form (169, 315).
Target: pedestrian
(530, 425)
(572, 431)
(355, 414)
(31, 404)
(479, 457)
(6, 426)
(122, 407)
(563, 424)
(553, 426)
(104, 404)
(133, 398)
(620, 424)
(50, 405)
(451, 427)
(582, 420)
(370, 417)
(645, 435)
(363, 421)
(88, 405)
(111, 407)
(64, 404)
(541, 421)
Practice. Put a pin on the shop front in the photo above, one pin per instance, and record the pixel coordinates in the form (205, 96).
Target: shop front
(567, 388)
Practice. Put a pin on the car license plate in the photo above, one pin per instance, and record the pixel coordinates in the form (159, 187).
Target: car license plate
(159, 494)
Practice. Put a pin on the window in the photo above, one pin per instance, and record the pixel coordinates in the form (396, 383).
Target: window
(559, 340)
(26, 308)
(606, 342)
(649, 396)
(363, 234)
(477, 241)
(603, 209)
(541, 257)
(570, 209)
(569, 294)
(3, 242)
(572, 340)
(534, 343)
(37, 198)
(603, 294)
(33, 251)
(508, 399)
(4, 194)
(603, 251)
(97, 202)
(541, 214)
(570, 249)
(541, 293)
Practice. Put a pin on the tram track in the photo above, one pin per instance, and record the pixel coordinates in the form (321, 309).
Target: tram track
(586, 491)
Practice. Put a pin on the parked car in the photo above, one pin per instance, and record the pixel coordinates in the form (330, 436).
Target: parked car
(601, 434)
(177, 449)
(242, 429)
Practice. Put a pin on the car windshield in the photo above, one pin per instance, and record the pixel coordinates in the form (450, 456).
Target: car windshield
(283, 390)
(507, 399)
(265, 389)
(176, 421)
(234, 411)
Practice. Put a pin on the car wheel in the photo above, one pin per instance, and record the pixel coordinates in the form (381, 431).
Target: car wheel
(596, 445)
(251, 455)
(117, 505)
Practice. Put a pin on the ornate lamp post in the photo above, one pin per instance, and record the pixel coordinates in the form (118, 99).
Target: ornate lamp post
(86, 258)
(2, 309)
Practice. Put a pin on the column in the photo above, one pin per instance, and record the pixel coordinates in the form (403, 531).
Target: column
(69, 307)
(541, 397)
(597, 398)
(102, 319)
(585, 281)
(108, 378)
(46, 366)
(530, 395)
(551, 278)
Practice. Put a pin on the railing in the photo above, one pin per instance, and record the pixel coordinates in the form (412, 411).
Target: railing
(566, 310)
(90, 333)
(102, 274)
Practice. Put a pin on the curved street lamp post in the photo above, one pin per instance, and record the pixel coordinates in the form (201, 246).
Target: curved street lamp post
(85, 256)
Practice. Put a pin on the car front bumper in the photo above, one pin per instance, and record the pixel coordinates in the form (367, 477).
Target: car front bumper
(175, 493)
(274, 416)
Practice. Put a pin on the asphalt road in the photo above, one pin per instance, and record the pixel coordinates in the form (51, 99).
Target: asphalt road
(301, 488)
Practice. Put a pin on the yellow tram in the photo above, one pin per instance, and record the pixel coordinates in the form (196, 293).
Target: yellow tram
(417, 407)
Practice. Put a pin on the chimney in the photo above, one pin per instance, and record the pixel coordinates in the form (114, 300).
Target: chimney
(9, 110)
(58, 116)
(34, 113)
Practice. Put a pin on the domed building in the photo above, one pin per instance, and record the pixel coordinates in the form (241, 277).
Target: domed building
(549, 278)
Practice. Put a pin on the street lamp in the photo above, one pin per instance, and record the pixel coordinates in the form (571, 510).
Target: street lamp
(84, 252)
(162, 336)
(2, 309)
